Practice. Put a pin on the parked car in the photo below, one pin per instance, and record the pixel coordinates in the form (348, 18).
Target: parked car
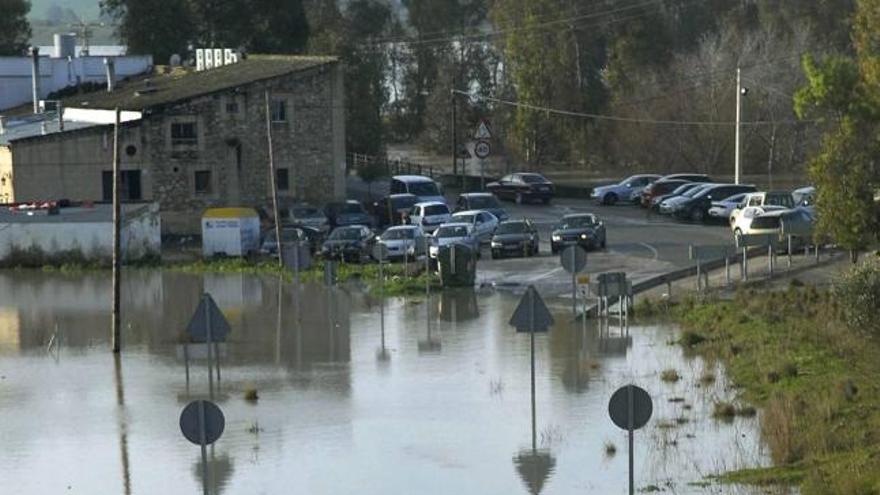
(515, 238)
(454, 233)
(758, 202)
(522, 187)
(430, 215)
(775, 221)
(308, 215)
(804, 196)
(658, 188)
(656, 201)
(690, 177)
(696, 208)
(667, 206)
(578, 229)
(623, 190)
(483, 222)
(349, 243)
(419, 186)
(481, 201)
(403, 241)
(351, 212)
(394, 209)
(289, 235)
(721, 210)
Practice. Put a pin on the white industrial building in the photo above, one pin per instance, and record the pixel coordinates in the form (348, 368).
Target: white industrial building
(61, 67)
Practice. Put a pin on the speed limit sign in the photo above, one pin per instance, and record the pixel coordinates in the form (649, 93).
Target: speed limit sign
(482, 149)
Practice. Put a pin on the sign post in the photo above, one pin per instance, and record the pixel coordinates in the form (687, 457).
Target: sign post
(208, 325)
(573, 260)
(630, 409)
(532, 315)
(202, 423)
(482, 149)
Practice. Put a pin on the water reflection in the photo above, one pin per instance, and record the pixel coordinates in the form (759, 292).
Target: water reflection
(535, 468)
(220, 471)
(336, 413)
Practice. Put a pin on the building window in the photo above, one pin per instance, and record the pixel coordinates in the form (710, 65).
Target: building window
(202, 182)
(232, 107)
(282, 179)
(184, 133)
(279, 110)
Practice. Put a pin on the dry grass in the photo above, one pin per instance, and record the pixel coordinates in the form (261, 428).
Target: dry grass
(670, 375)
(251, 395)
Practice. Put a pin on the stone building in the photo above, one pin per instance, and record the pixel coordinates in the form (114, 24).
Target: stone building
(190, 140)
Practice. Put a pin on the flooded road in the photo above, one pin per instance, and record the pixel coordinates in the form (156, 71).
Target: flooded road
(436, 403)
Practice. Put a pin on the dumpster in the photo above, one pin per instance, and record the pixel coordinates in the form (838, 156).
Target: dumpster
(457, 265)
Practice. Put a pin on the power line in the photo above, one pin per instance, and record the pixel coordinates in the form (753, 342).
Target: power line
(633, 120)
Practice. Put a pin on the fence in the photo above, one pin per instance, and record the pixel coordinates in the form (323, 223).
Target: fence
(356, 161)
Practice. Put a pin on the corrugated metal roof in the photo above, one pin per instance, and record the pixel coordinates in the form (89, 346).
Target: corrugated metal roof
(37, 125)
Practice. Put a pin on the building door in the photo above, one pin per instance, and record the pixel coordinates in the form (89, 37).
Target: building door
(130, 181)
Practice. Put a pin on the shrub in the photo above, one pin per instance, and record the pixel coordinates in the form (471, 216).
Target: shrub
(857, 295)
(670, 375)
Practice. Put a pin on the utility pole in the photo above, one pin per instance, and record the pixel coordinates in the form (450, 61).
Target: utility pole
(272, 180)
(117, 262)
(454, 133)
(736, 170)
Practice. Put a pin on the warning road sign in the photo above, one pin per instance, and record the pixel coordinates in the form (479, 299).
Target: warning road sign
(483, 131)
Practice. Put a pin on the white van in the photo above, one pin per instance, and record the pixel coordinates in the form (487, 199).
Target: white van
(424, 188)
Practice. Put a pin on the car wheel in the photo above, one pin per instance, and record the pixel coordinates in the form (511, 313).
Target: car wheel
(495, 255)
(697, 215)
(603, 243)
(546, 201)
(519, 198)
(610, 199)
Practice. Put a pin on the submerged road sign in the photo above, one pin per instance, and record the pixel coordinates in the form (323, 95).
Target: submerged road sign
(619, 407)
(202, 416)
(208, 313)
(531, 315)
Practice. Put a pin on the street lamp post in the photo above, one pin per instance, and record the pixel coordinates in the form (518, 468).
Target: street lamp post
(740, 92)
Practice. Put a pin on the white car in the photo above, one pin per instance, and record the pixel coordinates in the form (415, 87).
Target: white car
(484, 223)
(754, 204)
(430, 215)
(777, 222)
(454, 233)
(721, 210)
(403, 241)
(626, 190)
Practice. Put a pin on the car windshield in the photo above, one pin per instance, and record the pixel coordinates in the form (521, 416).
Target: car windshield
(352, 208)
(398, 234)
(347, 234)
(532, 178)
(785, 200)
(452, 231)
(404, 202)
(683, 189)
(512, 228)
(469, 218)
(483, 202)
(436, 210)
(306, 212)
(424, 188)
(578, 222)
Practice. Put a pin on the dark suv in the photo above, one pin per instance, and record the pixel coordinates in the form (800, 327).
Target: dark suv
(696, 208)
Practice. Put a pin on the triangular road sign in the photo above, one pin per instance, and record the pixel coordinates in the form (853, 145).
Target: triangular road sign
(531, 315)
(198, 324)
(483, 131)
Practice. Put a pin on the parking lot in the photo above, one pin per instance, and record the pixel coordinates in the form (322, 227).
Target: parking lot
(639, 243)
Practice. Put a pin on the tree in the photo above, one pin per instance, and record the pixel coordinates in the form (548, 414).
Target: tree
(157, 27)
(15, 30)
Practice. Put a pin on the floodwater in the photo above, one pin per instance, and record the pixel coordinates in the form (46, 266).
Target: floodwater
(438, 403)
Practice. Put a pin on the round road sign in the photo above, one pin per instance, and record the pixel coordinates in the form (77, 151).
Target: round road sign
(482, 149)
(191, 424)
(630, 398)
(573, 259)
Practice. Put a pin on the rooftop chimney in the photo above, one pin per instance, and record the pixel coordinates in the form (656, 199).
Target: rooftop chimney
(110, 70)
(35, 70)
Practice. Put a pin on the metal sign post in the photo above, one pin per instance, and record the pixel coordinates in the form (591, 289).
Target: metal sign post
(630, 409)
(573, 260)
(532, 315)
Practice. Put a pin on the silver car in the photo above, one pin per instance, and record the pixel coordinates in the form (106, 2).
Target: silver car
(403, 241)
(454, 233)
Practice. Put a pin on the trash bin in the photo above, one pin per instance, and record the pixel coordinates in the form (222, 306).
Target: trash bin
(457, 265)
